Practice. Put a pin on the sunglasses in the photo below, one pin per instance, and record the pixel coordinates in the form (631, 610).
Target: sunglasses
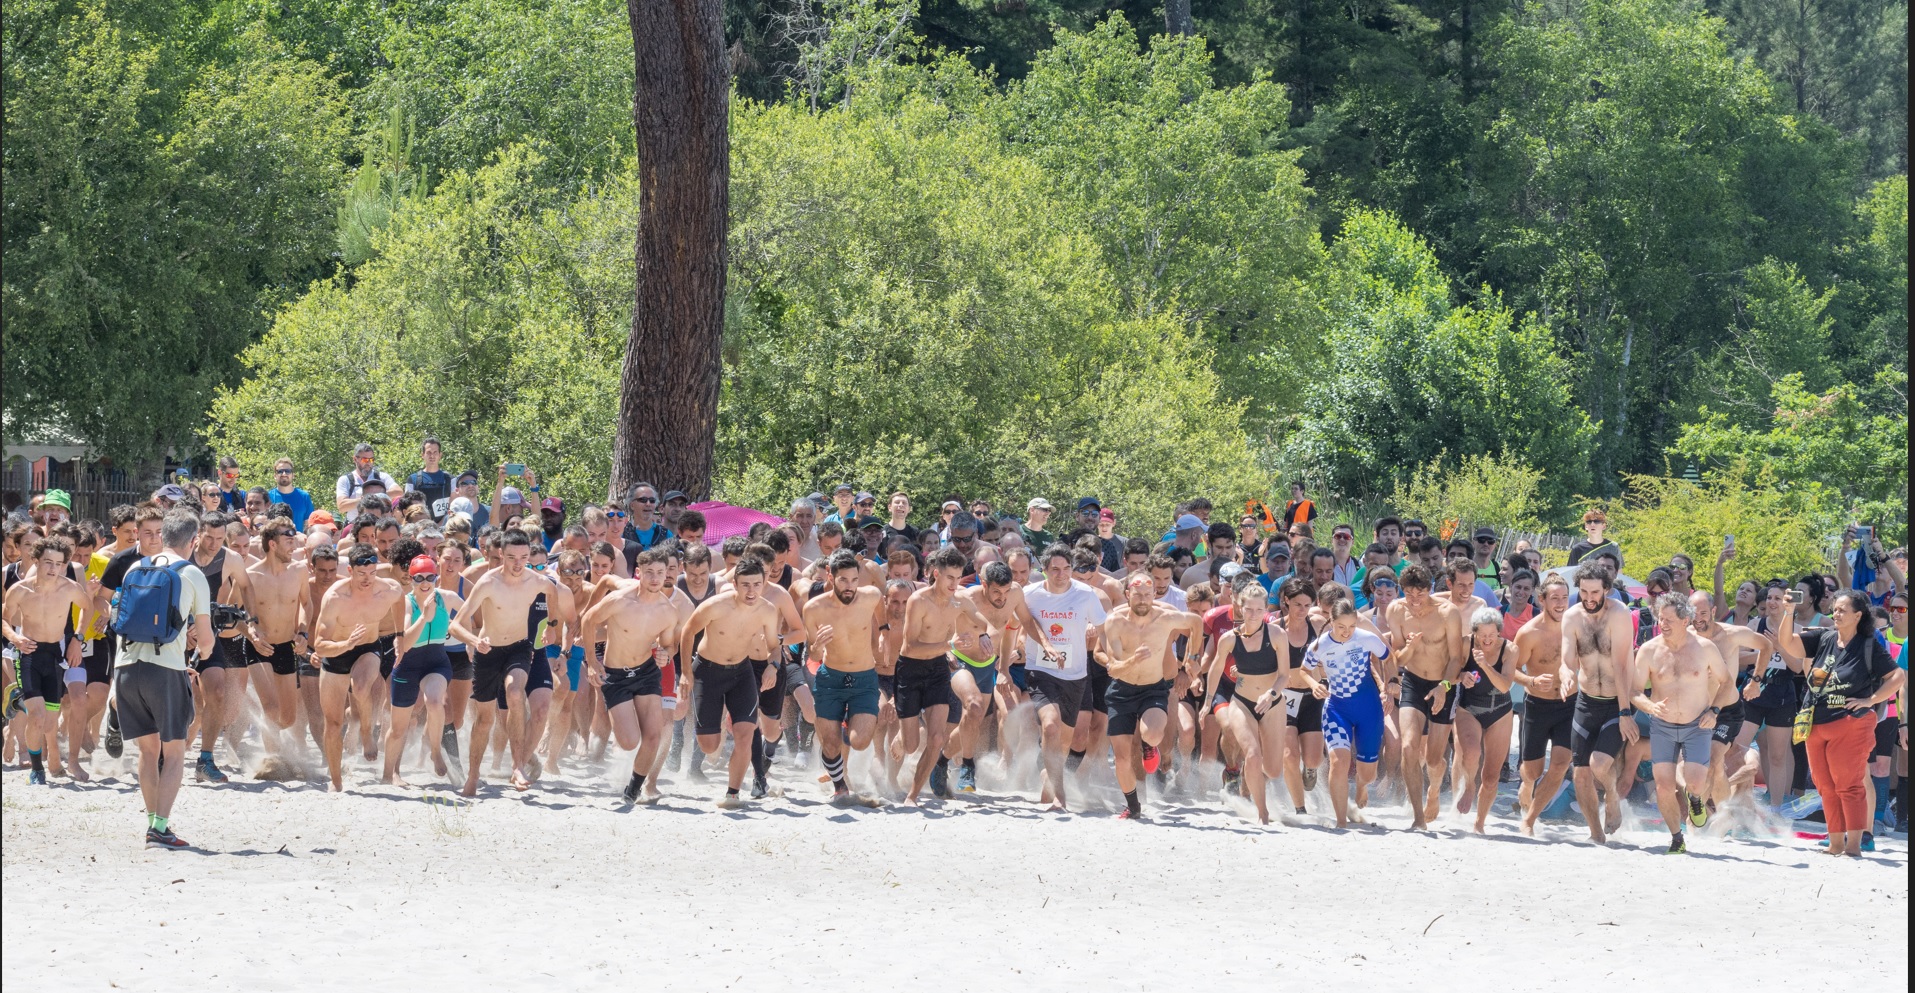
(615, 513)
(867, 503)
(578, 572)
(644, 499)
(282, 472)
(1898, 610)
(1486, 541)
(425, 579)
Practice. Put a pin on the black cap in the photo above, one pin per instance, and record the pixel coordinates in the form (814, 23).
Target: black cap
(472, 474)
(1486, 532)
(671, 495)
(841, 488)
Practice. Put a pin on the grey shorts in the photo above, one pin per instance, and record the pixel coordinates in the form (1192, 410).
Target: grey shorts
(1666, 739)
(154, 700)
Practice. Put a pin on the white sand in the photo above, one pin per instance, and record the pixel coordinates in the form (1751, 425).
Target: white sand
(560, 889)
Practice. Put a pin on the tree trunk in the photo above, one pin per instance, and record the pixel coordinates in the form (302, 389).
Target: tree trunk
(668, 391)
(1177, 18)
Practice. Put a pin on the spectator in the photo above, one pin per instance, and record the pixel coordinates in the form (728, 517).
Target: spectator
(672, 504)
(643, 525)
(1298, 509)
(1850, 674)
(1037, 515)
(350, 488)
(232, 497)
(296, 500)
(1488, 569)
(1594, 523)
(432, 482)
(841, 506)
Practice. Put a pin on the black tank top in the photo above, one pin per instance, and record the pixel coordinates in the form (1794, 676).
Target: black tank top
(1297, 652)
(1484, 693)
(535, 616)
(215, 572)
(711, 589)
(1255, 662)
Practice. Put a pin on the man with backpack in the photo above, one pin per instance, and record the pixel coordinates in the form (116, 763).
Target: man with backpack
(164, 607)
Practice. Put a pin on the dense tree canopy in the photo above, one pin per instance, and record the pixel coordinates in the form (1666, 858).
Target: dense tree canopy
(1002, 248)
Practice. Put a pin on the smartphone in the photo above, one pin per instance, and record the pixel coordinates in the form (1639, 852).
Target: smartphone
(1797, 596)
(515, 469)
(1864, 531)
(1728, 541)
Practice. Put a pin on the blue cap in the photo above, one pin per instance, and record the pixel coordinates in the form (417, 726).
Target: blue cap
(1189, 522)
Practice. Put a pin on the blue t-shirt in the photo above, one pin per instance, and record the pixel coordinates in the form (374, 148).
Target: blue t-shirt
(299, 500)
(650, 536)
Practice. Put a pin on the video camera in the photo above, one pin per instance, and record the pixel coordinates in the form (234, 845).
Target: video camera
(228, 615)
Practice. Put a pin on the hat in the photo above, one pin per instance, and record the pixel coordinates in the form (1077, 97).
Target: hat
(1189, 522)
(1085, 503)
(818, 498)
(463, 505)
(320, 517)
(1486, 532)
(422, 565)
(951, 505)
(553, 504)
(841, 488)
(468, 475)
(511, 494)
(671, 495)
(1277, 548)
(171, 491)
(864, 495)
(866, 521)
(1107, 516)
(59, 498)
(1229, 571)
(1038, 503)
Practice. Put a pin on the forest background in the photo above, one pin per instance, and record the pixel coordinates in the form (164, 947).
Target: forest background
(1521, 256)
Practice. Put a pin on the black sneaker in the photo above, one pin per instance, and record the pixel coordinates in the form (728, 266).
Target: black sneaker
(632, 790)
(166, 840)
(114, 745)
(758, 786)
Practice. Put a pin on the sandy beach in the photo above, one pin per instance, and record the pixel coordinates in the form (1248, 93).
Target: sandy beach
(565, 888)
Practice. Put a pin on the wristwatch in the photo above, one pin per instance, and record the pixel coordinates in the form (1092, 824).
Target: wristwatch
(1715, 710)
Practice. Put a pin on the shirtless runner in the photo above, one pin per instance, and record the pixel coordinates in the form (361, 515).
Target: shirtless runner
(350, 616)
(274, 641)
(1691, 682)
(1549, 705)
(1138, 647)
(634, 627)
(37, 611)
(737, 627)
(924, 665)
(841, 626)
(1425, 639)
(502, 657)
(1726, 755)
(986, 653)
(1596, 651)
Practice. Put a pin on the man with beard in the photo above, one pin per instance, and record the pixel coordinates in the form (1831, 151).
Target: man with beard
(841, 628)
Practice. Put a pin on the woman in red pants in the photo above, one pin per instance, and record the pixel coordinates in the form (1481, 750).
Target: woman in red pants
(1850, 675)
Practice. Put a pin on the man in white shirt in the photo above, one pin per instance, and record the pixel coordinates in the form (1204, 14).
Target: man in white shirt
(1064, 615)
(154, 691)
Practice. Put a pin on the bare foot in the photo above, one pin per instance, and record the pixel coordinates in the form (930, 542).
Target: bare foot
(1056, 807)
(1419, 825)
(1479, 826)
(1529, 828)
(80, 775)
(1362, 796)
(1465, 799)
(471, 788)
(336, 787)
(395, 780)
(519, 782)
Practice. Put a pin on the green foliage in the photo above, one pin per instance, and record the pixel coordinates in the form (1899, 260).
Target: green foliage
(385, 179)
(1774, 535)
(1843, 455)
(1781, 328)
(1412, 376)
(1480, 490)
(160, 190)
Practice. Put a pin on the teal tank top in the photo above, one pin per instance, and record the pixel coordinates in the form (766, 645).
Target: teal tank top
(436, 629)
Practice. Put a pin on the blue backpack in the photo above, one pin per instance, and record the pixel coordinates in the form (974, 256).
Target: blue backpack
(147, 609)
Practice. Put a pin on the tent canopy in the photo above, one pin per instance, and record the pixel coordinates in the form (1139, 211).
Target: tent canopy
(722, 520)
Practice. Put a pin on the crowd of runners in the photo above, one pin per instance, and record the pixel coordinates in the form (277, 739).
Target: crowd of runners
(422, 626)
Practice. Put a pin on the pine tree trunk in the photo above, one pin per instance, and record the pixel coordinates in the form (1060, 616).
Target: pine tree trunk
(668, 391)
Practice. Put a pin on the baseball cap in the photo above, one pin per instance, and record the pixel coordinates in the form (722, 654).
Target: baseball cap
(1038, 503)
(1277, 548)
(817, 498)
(171, 491)
(671, 495)
(59, 498)
(1085, 503)
(422, 565)
(1189, 522)
(553, 504)
(1229, 571)
(511, 494)
(320, 517)
(867, 521)
(1486, 532)
(841, 488)
(463, 505)
(862, 496)
(468, 476)
(1107, 516)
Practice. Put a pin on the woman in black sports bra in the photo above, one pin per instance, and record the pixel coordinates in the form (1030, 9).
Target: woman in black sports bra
(1249, 649)
(1483, 724)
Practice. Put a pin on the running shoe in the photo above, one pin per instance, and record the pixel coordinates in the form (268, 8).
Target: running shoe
(208, 772)
(165, 840)
(966, 780)
(941, 781)
(1868, 841)
(1698, 814)
(1679, 846)
(632, 790)
(1309, 779)
(114, 744)
(758, 786)
(1151, 759)
(37, 777)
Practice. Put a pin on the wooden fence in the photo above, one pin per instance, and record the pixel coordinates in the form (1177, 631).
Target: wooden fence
(94, 490)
